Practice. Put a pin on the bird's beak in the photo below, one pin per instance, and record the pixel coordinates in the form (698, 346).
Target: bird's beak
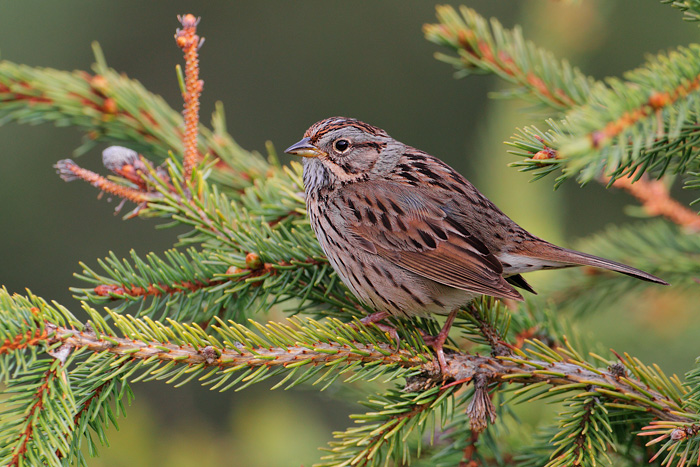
(304, 148)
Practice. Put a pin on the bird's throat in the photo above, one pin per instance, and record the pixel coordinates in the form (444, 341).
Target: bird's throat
(316, 175)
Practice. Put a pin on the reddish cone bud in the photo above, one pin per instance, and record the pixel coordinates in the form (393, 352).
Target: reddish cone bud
(252, 261)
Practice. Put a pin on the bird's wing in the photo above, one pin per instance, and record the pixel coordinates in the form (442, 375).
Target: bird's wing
(414, 229)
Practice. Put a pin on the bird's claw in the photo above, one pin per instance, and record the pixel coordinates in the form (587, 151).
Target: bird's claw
(374, 318)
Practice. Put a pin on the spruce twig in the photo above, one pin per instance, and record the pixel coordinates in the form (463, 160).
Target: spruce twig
(486, 47)
(656, 200)
(189, 42)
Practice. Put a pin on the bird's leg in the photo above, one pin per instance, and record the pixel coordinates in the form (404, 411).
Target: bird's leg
(374, 318)
(438, 341)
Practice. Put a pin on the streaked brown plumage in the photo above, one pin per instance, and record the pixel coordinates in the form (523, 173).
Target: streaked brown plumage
(411, 236)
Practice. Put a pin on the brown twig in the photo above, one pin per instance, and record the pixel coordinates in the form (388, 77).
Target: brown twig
(189, 42)
(22, 341)
(469, 457)
(69, 171)
(656, 102)
(120, 290)
(657, 201)
(255, 268)
(158, 289)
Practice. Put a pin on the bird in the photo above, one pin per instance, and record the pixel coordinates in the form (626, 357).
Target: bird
(409, 235)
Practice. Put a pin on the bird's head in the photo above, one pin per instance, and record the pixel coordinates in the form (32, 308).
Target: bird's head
(347, 150)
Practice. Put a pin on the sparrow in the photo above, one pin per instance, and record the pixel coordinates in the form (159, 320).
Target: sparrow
(409, 235)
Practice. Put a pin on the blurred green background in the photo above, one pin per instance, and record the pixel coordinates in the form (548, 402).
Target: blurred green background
(278, 67)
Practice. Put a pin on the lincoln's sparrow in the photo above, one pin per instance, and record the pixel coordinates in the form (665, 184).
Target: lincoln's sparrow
(411, 236)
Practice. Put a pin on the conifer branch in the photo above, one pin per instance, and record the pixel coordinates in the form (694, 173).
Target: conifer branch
(656, 200)
(540, 155)
(30, 338)
(585, 434)
(653, 194)
(647, 123)
(560, 375)
(481, 48)
(30, 429)
(131, 290)
(560, 372)
(383, 431)
(195, 286)
(109, 107)
(656, 101)
(179, 352)
(488, 331)
(690, 8)
(221, 358)
(281, 345)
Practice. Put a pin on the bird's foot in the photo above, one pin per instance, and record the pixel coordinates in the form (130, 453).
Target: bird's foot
(437, 342)
(375, 319)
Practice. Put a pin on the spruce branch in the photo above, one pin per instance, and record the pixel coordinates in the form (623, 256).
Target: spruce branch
(657, 101)
(646, 123)
(111, 108)
(486, 47)
(585, 434)
(656, 201)
(563, 375)
(653, 194)
(183, 286)
(238, 357)
(690, 8)
(457, 444)
(383, 432)
(505, 328)
(540, 155)
(220, 274)
(232, 355)
(491, 325)
(42, 396)
(227, 232)
(23, 340)
(330, 341)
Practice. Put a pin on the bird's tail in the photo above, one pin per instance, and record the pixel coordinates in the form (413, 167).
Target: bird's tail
(549, 252)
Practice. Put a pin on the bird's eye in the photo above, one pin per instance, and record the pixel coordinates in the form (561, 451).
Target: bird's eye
(341, 145)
